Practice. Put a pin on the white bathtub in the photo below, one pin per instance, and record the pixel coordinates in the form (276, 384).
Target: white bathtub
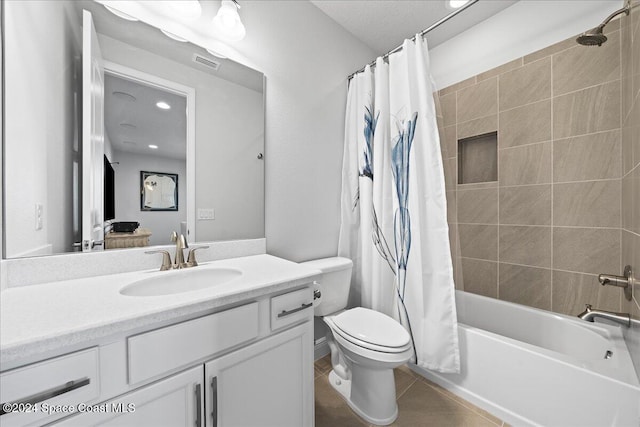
(536, 368)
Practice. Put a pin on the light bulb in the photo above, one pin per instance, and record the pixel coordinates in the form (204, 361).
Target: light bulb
(456, 4)
(227, 22)
(187, 9)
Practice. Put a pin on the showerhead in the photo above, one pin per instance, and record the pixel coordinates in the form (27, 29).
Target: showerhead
(592, 37)
(595, 36)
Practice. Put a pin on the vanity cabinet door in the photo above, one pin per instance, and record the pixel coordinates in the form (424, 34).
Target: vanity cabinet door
(175, 401)
(269, 383)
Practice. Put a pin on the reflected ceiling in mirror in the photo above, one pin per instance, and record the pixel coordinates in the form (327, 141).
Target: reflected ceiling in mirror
(223, 172)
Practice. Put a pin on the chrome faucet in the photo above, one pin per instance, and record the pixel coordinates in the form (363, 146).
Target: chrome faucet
(625, 281)
(590, 314)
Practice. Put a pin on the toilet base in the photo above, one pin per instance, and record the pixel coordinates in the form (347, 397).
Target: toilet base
(343, 387)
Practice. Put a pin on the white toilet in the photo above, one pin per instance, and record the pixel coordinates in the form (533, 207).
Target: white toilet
(365, 345)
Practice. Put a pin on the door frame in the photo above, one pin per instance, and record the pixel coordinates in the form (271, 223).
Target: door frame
(128, 73)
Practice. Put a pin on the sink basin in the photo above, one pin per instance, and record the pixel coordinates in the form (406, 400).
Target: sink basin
(177, 282)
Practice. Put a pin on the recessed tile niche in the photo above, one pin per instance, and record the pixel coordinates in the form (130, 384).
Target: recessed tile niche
(478, 158)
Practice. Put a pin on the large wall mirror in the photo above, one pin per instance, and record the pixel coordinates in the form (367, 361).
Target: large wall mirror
(115, 139)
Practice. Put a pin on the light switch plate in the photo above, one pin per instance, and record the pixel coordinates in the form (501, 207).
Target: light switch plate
(206, 214)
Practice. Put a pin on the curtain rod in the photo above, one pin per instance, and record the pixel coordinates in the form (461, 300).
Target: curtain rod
(422, 33)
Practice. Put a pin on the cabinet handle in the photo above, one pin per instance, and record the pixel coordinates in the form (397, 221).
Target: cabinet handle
(214, 401)
(295, 310)
(198, 406)
(47, 394)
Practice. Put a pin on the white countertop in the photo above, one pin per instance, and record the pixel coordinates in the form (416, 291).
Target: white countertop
(43, 318)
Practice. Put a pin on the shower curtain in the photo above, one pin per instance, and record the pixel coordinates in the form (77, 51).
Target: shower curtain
(393, 207)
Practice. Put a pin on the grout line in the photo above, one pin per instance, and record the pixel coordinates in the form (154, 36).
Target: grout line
(580, 227)
(524, 145)
(498, 191)
(528, 104)
(585, 88)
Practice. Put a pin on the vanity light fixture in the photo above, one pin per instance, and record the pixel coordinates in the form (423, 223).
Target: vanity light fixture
(227, 23)
(173, 36)
(120, 14)
(163, 105)
(186, 9)
(153, 146)
(457, 4)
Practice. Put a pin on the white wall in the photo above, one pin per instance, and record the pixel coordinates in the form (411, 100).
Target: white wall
(228, 173)
(306, 58)
(127, 193)
(525, 27)
(42, 45)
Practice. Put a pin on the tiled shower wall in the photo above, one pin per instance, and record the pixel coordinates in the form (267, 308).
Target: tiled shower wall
(552, 221)
(630, 36)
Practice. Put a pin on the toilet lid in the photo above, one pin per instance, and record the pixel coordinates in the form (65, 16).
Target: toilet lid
(372, 327)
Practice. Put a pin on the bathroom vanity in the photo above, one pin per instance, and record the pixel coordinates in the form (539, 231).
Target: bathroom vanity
(239, 352)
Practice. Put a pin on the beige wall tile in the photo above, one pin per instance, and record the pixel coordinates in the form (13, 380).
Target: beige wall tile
(480, 277)
(579, 67)
(511, 65)
(478, 126)
(525, 245)
(525, 285)
(477, 101)
(589, 110)
(450, 166)
(529, 164)
(581, 158)
(550, 50)
(452, 213)
(478, 185)
(586, 250)
(448, 142)
(631, 201)
(448, 107)
(587, 204)
(478, 241)
(631, 138)
(457, 86)
(525, 125)
(571, 291)
(529, 205)
(525, 85)
(478, 206)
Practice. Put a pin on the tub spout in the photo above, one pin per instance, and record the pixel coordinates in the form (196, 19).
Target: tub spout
(589, 314)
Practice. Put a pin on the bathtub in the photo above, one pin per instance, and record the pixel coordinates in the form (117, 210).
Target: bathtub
(532, 367)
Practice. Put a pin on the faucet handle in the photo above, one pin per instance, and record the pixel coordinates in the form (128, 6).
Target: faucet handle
(166, 259)
(191, 259)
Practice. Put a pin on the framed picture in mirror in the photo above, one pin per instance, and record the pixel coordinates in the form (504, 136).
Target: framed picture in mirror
(158, 191)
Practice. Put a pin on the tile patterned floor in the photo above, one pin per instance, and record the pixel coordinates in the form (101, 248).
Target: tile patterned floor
(420, 403)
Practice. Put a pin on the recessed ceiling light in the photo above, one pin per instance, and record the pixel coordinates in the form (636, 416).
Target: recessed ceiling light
(153, 147)
(124, 95)
(163, 105)
(456, 4)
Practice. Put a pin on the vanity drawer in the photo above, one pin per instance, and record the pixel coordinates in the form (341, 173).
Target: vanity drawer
(291, 308)
(66, 380)
(153, 354)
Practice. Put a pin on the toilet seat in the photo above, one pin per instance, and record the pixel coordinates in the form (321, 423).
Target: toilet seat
(371, 330)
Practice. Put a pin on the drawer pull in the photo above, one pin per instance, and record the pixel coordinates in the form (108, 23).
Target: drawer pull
(295, 310)
(48, 394)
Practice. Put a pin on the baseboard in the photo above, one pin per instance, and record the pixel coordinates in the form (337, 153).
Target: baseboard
(321, 349)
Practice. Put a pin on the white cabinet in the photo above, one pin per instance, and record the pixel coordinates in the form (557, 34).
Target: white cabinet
(269, 383)
(248, 365)
(175, 401)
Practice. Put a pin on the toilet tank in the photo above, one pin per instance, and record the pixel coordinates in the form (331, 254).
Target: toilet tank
(333, 285)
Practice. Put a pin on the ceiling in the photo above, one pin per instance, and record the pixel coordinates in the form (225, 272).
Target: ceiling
(384, 24)
(133, 121)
